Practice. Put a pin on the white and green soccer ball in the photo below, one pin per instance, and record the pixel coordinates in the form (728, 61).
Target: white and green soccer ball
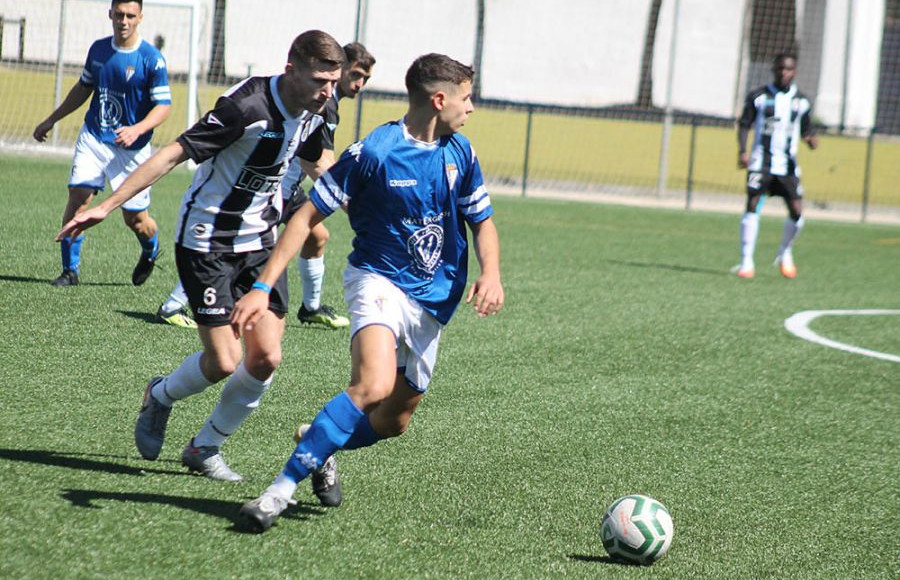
(637, 529)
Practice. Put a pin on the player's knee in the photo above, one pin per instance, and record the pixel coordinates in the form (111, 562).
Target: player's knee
(218, 366)
(263, 364)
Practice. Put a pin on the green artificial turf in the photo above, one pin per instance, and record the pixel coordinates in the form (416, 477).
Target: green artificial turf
(627, 360)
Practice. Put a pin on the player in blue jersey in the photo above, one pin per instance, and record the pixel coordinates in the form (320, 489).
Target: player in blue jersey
(781, 116)
(130, 86)
(410, 187)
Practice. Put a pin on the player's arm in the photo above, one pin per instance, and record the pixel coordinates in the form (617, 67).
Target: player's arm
(314, 169)
(148, 173)
(125, 136)
(807, 131)
(487, 291)
(250, 308)
(77, 96)
(744, 123)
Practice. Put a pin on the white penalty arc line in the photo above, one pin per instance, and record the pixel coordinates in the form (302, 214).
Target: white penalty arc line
(798, 325)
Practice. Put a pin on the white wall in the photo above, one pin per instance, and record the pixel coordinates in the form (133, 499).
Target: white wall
(576, 52)
(863, 65)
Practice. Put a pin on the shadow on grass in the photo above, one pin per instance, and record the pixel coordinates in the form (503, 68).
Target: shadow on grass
(226, 510)
(599, 560)
(84, 461)
(143, 316)
(31, 280)
(672, 267)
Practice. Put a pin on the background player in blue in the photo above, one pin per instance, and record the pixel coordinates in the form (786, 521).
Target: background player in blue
(780, 116)
(131, 96)
(226, 230)
(410, 188)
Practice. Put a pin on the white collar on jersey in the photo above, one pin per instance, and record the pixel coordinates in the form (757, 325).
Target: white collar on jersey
(415, 142)
(117, 48)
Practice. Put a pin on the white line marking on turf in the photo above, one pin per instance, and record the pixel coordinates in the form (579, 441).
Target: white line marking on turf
(798, 325)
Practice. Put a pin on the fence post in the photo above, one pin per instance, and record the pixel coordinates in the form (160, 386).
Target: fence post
(868, 171)
(690, 175)
(1, 36)
(57, 83)
(527, 150)
(22, 39)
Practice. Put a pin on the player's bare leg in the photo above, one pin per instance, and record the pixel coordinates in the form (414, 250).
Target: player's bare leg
(147, 232)
(311, 267)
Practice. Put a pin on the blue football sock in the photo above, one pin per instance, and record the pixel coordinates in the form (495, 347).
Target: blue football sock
(363, 435)
(150, 246)
(70, 248)
(329, 431)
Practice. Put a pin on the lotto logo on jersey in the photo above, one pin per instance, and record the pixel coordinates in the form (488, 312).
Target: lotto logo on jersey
(257, 182)
(425, 247)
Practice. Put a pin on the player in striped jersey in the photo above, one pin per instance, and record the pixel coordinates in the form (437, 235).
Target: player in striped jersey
(226, 231)
(131, 96)
(780, 116)
(411, 188)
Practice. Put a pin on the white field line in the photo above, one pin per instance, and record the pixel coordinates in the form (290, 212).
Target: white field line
(798, 325)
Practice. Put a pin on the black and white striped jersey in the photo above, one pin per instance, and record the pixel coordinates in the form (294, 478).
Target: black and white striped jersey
(780, 119)
(242, 147)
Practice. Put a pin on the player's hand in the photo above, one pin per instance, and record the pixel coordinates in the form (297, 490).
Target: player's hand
(812, 141)
(40, 132)
(248, 310)
(743, 160)
(82, 221)
(487, 293)
(125, 136)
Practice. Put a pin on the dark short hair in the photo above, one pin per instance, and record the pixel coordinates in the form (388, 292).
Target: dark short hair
(315, 46)
(784, 56)
(355, 52)
(430, 69)
(140, 3)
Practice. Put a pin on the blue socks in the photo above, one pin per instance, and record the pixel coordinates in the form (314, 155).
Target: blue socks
(70, 248)
(150, 246)
(338, 425)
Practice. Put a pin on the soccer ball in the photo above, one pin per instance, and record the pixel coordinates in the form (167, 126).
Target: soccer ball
(637, 529)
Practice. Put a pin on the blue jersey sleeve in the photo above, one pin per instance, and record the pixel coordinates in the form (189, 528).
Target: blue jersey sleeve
(344, 179)
(87, 77)
(474, 202)
(158, 80)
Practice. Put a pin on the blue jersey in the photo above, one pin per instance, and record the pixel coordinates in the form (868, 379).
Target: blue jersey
(127, 84)
(407, 203)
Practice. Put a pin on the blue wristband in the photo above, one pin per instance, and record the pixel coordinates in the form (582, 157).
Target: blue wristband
(262, 286)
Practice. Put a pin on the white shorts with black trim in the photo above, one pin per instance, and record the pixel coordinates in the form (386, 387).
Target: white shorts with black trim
(95, 162)
(373, 299)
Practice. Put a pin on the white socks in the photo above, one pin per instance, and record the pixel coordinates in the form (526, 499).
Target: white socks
(312, 274)
(283, 487)
(176, 300)
(791, 231)
(749, 233)
(240, 397)
(183, 382)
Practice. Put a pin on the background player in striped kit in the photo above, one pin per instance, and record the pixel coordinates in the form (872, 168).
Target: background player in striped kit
(226, 230)
(780, 116)
(129, 82)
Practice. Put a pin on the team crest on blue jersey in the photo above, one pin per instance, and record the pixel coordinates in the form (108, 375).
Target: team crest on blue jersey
(129, 72)
(452, 174)
(425, 247)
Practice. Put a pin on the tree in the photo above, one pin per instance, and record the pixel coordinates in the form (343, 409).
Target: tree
(645, 89)
(216, 73)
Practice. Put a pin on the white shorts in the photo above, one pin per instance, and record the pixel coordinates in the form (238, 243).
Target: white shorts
(373, 299)
(95, 162)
